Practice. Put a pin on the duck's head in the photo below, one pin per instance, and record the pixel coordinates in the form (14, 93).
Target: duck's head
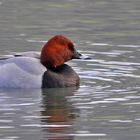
(57, 51)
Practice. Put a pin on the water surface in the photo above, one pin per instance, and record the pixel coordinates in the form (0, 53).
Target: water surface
(106, 105)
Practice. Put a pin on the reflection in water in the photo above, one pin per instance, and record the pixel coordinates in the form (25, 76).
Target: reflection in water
(60, 113)
(30, 114)
(108, 101)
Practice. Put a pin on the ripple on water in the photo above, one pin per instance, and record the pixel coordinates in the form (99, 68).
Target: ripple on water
(108, 70)
(10, 138)
(45, 126)
(106, 44)
(88, 135)
(36, 41)
(95, 109)
(120, 121)
(6, 121)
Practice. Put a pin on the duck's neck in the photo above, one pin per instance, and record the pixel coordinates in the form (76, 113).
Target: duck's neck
(57, 69)
(62, 76)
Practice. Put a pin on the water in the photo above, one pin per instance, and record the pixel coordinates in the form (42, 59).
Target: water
(106, 105)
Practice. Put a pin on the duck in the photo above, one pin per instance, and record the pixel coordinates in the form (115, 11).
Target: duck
(45, 69)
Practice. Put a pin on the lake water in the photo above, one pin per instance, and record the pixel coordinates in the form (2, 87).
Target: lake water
(106, 106)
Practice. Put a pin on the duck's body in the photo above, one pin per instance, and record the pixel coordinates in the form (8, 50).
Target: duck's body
(32, 70)
(21, 72)
(64, 76)
(28, 72)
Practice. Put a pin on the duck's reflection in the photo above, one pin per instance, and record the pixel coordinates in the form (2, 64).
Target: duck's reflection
(60, 113)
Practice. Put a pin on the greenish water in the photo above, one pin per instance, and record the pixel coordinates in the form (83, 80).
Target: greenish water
(106, 105)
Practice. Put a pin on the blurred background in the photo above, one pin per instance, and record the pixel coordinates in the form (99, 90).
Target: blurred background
(25, 23)
(106, 105)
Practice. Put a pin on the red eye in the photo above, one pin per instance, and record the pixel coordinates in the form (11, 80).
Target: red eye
(71, 46)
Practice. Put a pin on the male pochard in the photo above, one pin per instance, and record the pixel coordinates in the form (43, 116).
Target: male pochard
(45, 70)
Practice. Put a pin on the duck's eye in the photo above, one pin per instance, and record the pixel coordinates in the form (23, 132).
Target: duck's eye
(71, 46)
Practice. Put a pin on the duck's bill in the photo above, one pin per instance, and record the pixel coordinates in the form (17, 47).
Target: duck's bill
(85, 57)
(78, 55)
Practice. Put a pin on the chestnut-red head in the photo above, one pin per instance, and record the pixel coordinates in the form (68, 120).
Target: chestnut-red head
(57, 51)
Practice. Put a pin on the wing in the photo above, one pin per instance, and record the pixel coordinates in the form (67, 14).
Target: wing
(3, 57)
(21, 72)
(33, 54)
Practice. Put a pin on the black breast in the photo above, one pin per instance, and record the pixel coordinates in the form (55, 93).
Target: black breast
(63, 76)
